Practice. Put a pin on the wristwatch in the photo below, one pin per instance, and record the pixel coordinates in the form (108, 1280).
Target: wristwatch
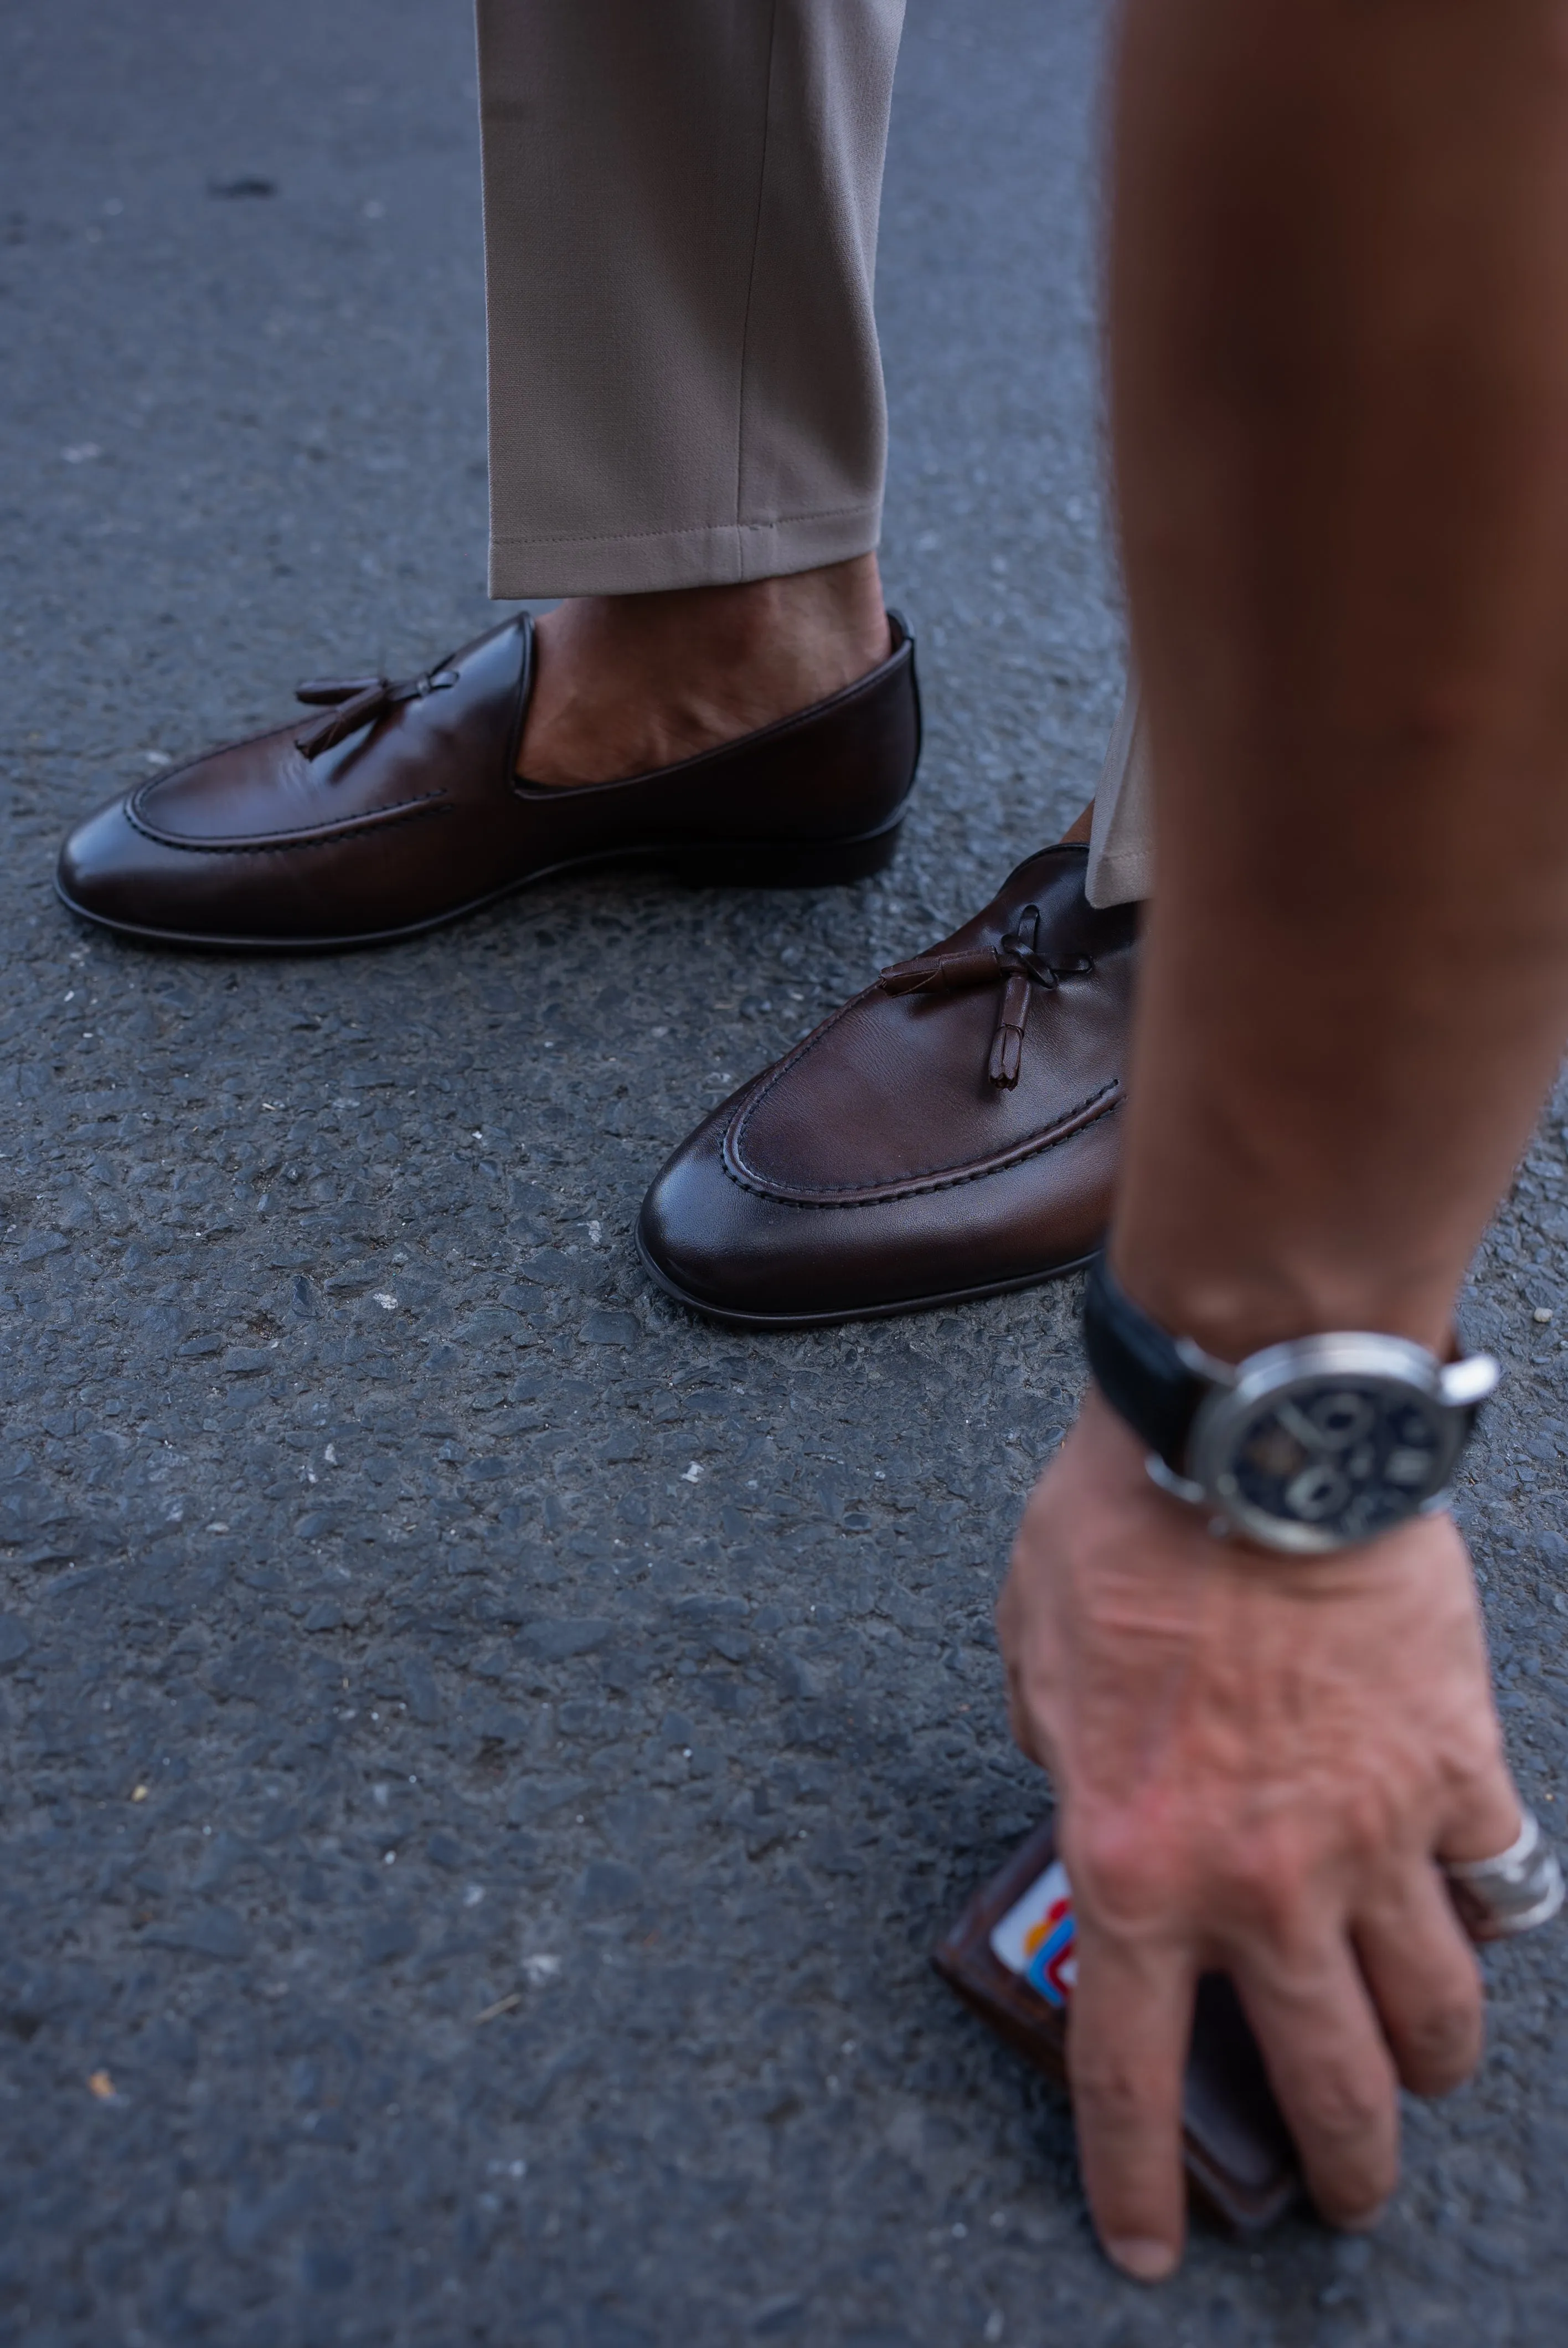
(1305, 1448)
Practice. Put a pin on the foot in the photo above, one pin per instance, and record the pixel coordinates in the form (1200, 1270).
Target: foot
(627, 684)
(951, 1132)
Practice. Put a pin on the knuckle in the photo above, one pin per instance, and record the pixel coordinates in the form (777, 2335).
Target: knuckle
(1263, 1879)
(1338, 2106)
(1267, 1885)
(1366, 1828)
(1118, 1870)
(1109, 2087)
(1442, 2043)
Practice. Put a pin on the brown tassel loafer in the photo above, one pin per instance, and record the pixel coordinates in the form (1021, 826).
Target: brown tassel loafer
(398, 808)
(949, 1133)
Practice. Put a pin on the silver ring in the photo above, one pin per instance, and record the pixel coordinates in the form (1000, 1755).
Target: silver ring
(1514, 1893)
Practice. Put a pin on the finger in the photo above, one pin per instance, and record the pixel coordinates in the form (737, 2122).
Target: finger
(1022, 1724)
(1023, 1716)
(1018, 1718)
(1129, 2025)
(1424, 1982)
(1485, 1817)
(1331, 2070)
(1019, 1721)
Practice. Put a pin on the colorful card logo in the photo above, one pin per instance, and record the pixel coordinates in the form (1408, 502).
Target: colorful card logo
(1037, 1939)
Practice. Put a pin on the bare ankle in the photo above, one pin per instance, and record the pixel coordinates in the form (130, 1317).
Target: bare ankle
(626, 684)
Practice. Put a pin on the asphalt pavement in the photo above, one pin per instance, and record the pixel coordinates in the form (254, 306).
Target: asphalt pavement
(487, 1756)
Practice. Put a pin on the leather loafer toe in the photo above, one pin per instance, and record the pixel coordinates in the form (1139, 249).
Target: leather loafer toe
(951, 1132)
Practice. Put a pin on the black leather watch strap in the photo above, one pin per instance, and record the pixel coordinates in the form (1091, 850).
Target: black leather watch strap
(1139, 1369)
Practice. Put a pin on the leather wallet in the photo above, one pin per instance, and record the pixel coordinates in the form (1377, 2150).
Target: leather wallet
(1009, 1958)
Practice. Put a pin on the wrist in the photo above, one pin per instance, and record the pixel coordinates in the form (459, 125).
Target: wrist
(1167, 1552)
(1304, 1447)
(1232, 1300)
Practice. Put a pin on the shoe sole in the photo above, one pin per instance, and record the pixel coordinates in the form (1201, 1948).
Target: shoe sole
(827, 1320)
(742, 864)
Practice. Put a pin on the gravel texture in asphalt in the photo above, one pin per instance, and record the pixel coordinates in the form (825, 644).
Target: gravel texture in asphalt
(488, 1756)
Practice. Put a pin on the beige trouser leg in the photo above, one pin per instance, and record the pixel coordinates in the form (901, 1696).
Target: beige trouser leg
(1122, 843)
(681, 204)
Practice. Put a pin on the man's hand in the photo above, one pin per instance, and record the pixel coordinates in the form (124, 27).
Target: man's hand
(1258, 1761)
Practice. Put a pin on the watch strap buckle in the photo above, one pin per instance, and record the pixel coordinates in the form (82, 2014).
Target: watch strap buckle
(1179, 1488)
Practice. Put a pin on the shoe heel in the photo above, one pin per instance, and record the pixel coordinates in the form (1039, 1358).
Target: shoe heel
(790, 864)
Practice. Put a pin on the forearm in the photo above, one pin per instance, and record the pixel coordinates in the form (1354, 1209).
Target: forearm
(1340, 393)
(1339, 360)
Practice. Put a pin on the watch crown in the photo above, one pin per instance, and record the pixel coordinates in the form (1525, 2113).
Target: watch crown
(1465, 1383)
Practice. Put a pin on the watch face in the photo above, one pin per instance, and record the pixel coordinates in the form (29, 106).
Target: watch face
(1323, 1461)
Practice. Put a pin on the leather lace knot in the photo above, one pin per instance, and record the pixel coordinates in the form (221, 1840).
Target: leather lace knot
(353, 701)
(1017, 961)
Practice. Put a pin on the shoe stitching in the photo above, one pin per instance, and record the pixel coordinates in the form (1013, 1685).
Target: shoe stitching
(926, 1187)
(401, 812)
(830, 1193)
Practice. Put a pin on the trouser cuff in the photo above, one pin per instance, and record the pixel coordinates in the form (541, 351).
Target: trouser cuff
(651, 562)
